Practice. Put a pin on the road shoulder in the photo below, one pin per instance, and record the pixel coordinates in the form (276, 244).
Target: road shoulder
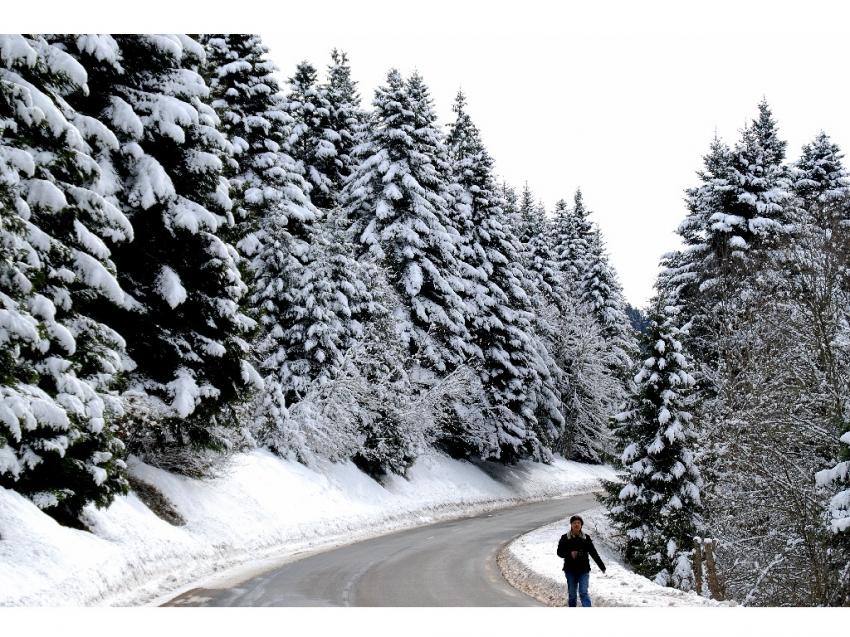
(529, 563)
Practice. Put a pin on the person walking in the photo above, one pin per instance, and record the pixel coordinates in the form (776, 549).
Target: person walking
(575, 546)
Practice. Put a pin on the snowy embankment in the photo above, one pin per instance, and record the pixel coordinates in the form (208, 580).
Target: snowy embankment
(530, 564)
(262, 511)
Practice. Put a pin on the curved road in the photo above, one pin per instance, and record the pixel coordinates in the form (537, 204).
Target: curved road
(447, 564)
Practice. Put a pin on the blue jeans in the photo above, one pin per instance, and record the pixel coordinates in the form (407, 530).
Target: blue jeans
(577, 581)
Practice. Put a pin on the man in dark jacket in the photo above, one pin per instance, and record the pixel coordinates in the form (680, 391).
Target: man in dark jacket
(575, 547)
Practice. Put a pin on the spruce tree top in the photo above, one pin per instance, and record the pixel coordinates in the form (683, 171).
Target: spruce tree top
(765, 134)
(819, 175)
(246, 96)
(312, 140)
(347, 119)
(757, 213)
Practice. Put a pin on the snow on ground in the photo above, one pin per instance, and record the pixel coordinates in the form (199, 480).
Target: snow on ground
(261, 512)
(530, 564)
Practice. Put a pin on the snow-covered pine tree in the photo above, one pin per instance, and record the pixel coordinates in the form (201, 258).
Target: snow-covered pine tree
(271, 209)
(657, 506)
(312, 138)
(691, 275)
(838, 516)
(510, 200)
(595, 294)
(754, 215)
(818, 256)
(820, 183)
(57, 411)
(347, 120)
(393, 426)
(397, 203)
(308, 291)
(526, 212)
(737, 215)
(327, 328)
(301, 337)
(561, 222)
(601, 293)
(246, 97)
(762, 303)
(584, 358)
(572, 234)
(523, 403)
(185, 332)
(561, 209)
(531, 228)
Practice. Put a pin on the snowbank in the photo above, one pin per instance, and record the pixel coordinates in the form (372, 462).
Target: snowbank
(264, 509)
(529, 563)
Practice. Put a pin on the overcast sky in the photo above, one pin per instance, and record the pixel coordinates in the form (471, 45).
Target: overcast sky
(620, 98)
(622, 101)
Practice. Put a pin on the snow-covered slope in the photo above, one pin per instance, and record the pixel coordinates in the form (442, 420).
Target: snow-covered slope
(263, 509)
(530, 564)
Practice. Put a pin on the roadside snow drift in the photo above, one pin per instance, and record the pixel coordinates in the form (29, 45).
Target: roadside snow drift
(530, 564)
(263, 508)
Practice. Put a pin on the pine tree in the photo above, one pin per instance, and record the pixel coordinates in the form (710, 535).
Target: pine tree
(601, 293)
(547, 283)
(838, 516)
(298, 339)
(821, 185)
(561, 232)
(527, 220)
(523, 402)
(57, 410)
(736, 216)
(510, 199)
(761, 299)
(572, 235)
(820, 256)
(185, 331)
(324, 412)
(637, 318)
(589, 362)
(397, 205)
(691, 275)
(593, 335)
(750, 214)
(252, 114)
(756, 216)
(347, 120)
(657, 507)
(393, 429)
(312, 139)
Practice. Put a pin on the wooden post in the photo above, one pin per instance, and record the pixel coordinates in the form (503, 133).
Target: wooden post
(698, 565)
(713, 583)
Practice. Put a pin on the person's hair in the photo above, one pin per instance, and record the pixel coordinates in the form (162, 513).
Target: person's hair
(576, 517)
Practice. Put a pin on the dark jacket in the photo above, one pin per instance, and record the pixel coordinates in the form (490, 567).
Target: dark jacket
(584, 548)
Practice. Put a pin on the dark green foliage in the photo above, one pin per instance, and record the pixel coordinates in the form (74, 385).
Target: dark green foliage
(657, 507)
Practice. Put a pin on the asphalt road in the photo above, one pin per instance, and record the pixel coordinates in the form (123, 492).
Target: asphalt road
(447, 564)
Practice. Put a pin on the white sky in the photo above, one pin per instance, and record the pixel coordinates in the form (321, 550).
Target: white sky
(622, 101)
(621, 98)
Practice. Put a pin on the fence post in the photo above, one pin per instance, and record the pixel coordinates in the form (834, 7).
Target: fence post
(698, 564)
(713, 583)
